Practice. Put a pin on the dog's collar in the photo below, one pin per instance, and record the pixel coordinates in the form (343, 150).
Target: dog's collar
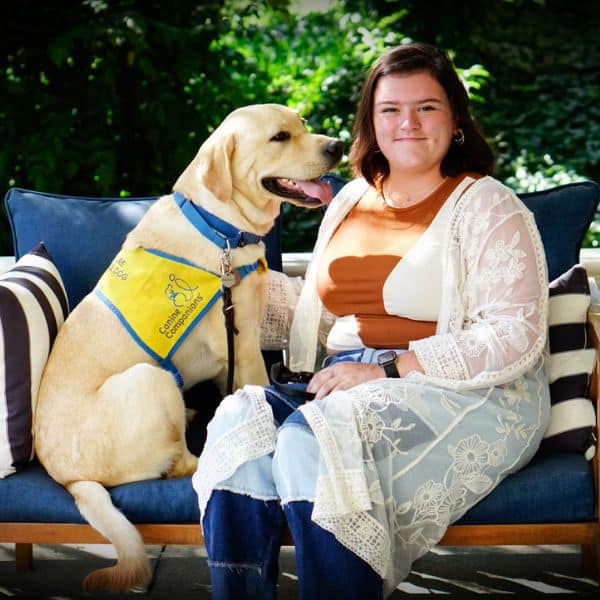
(219, 232)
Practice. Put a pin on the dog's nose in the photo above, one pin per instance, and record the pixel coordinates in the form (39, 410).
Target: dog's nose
(334, 149)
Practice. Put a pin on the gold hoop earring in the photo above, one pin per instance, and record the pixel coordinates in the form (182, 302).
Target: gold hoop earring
(459, 137)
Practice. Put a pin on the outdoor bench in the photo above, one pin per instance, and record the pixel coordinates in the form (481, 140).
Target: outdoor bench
(554, 500)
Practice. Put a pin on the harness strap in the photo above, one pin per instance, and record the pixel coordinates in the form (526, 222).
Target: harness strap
(218, 231)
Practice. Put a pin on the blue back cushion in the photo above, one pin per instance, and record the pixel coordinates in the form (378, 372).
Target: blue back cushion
(563, 215)
(83, 234)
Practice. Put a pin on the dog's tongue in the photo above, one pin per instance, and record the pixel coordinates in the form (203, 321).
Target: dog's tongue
(320, 190)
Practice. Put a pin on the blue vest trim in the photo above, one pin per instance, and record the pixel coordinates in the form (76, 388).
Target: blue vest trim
(177, 258)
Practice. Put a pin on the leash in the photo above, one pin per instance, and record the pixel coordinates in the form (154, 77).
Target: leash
(228, 280)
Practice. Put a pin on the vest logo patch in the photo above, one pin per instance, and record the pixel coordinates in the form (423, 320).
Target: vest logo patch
(158, 298)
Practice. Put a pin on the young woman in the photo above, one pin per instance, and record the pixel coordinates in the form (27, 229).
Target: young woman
(428, 292)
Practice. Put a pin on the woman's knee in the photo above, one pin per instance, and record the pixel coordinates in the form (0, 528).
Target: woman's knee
(234, 458)
(296, 460)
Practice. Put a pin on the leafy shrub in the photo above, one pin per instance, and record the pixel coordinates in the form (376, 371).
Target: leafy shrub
(114, 97)
(314, 62)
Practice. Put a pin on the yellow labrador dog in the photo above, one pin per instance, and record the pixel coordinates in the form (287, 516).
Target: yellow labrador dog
(110, 407)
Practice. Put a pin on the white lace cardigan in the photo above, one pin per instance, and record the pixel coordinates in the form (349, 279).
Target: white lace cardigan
(493, 321)
(400, 459)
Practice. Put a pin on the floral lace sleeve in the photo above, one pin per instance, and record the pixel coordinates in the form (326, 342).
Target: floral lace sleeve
(495, 325)
(281, 297)
(282, 294)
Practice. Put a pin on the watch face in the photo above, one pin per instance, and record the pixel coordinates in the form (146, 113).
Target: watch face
(386, 357)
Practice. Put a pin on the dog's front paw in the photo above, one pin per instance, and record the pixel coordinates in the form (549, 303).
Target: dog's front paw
(185, 466)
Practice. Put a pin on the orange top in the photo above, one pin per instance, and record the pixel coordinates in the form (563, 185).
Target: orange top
(362, 253)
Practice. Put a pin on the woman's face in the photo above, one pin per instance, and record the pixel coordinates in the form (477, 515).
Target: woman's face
(413, 122)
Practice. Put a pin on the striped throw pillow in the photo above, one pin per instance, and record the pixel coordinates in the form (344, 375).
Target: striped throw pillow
(33, 305)
(572, 360)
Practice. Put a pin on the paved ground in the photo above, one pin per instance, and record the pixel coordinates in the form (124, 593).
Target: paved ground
(181, 573)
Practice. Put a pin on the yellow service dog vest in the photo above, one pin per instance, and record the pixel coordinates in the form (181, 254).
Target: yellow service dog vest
(160, 298)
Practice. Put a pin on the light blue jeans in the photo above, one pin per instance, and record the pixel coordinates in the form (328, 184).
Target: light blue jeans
(245, 519)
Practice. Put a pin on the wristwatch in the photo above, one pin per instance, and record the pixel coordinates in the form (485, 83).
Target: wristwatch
(387, 361)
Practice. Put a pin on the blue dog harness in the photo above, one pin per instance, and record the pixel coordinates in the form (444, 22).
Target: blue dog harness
(159, 298)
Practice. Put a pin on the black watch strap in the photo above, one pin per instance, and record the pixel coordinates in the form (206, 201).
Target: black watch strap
(387, 361)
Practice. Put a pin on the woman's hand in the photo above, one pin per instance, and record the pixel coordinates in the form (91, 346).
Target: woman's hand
(345, 375)
(342, 376)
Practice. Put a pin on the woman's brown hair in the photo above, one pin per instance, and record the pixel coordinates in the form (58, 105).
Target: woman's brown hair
(473, 155)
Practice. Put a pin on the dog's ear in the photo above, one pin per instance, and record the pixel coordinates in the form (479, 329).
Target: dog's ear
(214, 165)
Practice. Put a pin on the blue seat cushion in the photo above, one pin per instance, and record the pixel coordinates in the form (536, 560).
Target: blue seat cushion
(552, 488)
(42, 500)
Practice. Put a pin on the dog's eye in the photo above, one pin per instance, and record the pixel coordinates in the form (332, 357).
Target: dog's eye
(282, 136)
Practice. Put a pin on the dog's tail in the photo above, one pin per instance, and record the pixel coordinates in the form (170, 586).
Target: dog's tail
(132, 569)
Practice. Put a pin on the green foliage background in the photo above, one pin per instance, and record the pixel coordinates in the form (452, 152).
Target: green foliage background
(113, 97)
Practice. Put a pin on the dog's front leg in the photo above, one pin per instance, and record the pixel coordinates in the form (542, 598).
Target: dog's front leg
(249, 364)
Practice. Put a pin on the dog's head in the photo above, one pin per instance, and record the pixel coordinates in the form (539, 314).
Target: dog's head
(258, 157)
